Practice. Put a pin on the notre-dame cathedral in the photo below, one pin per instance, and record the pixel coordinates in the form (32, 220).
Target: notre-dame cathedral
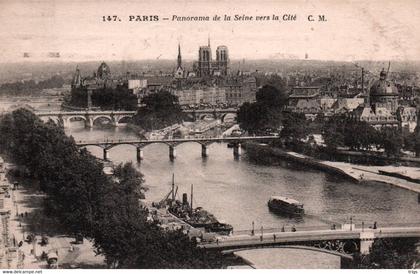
(206, 66)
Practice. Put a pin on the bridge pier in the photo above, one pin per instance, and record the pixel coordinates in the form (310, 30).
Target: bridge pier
(139, 154)
(204, 151)
(172, 152)
(366, 241)
(105, 154)
(88, 123)
(237, 151)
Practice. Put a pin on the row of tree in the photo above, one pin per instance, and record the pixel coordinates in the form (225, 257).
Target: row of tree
(30, 86)
(107, 98)
(88, 202)
(342, 131)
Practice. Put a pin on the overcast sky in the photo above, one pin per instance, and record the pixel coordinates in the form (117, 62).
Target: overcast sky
(376, 30)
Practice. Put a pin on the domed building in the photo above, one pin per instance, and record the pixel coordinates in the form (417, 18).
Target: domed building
(384, 94)
(383, 109)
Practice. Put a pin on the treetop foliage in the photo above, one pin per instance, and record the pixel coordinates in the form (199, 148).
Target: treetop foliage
(88, 202)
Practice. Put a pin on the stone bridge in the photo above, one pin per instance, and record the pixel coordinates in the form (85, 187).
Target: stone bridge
(172, 143)
(64, 118)
(222, 114)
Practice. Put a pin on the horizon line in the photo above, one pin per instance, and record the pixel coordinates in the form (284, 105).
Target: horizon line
(58, 60)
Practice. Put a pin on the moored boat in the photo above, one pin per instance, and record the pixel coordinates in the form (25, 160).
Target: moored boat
(285, 205)
(196, 217)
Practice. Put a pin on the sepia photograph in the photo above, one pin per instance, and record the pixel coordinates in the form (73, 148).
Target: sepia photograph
(181, 134)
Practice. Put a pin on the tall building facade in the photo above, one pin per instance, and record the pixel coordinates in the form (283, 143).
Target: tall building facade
(204, 61)
(222, 60)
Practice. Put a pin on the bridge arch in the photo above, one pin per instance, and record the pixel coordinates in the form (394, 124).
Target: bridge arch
(72, 117)
(228, 116)
(310, 248)
(124, 119)
(107, 117)
(206, 115)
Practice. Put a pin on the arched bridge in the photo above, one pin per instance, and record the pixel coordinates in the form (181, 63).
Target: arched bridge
(346, 240)
(64, 118)
(172, 143)
(222, 114)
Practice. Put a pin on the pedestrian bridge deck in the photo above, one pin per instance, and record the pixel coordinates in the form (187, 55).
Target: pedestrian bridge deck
(246, 240)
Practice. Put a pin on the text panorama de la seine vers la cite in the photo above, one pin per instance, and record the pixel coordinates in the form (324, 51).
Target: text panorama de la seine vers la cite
(225, 17)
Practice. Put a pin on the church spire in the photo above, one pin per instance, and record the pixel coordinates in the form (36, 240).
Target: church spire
(179, 57)
(77, 79)
(209, 41)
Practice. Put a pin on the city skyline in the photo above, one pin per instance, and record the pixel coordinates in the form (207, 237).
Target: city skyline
(353, 31)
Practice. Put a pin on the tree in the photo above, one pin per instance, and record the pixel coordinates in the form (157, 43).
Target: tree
(414, 140)
(340, 130)
(266, 112)
(295, 128)
(130, 179)
(271, 80)
(391, 254)
(271, 97)
(333, 133)
(88, 202)
(160, 110)
(107, 98)
(390, 139)
(118, 98)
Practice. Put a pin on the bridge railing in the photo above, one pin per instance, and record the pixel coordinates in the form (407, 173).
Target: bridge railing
(287, 228)
(193, 137)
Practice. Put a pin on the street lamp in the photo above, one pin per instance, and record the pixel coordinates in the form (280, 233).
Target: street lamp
(351, 223)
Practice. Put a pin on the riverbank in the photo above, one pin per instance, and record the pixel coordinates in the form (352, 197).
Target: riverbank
(27, 217)
(352, 172)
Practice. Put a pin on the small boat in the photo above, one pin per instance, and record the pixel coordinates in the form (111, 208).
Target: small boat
(285, 205)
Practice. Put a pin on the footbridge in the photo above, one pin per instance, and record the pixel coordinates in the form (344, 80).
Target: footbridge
(106, 145)
(64, 118)
(346, 240)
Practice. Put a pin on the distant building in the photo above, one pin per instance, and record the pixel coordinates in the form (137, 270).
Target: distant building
(102, 78)
(240, 90)
(377, 118)
(201, 95)
(345, 105)
(408, 118)
(384, 94)
(383, 108)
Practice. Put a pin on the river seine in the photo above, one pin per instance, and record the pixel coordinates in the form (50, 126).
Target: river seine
(237, 191)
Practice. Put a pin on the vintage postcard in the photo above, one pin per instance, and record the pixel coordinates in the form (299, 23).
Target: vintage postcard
(209, 134)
